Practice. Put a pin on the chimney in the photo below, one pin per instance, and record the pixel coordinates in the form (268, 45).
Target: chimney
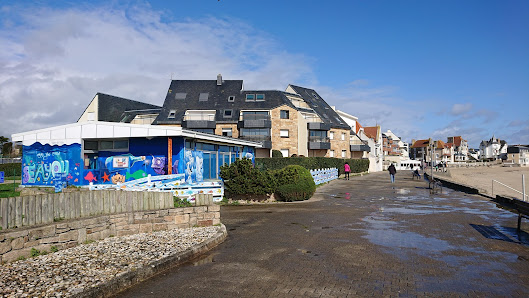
(219, 79)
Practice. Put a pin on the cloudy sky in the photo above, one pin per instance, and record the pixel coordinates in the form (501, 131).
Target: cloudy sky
(419, 68)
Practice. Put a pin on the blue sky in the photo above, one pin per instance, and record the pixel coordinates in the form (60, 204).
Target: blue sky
(419, 68)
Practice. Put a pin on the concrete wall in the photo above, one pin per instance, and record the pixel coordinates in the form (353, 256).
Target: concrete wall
(19, 242)
(48, 208)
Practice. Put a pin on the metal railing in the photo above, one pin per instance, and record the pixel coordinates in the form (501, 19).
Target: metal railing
(256, 138)
(201, 117)
(254, 117)
(316, 139)
(520, 192)
(10, 160)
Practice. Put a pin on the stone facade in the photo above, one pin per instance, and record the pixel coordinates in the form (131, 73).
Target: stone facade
(290, 124)
(233, 126)
(18, 243)
(337, 144)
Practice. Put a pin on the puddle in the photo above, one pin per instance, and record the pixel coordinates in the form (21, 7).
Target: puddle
(404, 210)
(402, 191)
(393, 239)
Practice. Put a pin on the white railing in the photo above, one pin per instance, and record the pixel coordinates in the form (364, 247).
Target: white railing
(324, 175)
(520, 192)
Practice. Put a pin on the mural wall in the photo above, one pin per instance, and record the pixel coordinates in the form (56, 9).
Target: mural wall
(55, 166)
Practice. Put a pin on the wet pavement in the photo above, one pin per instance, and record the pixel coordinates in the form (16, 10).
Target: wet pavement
(362, 237)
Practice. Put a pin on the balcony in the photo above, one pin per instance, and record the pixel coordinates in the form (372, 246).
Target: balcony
(318, 126)
(265, 140)
(365, 148)
(199, 121)
(255, 121)
(316, 143)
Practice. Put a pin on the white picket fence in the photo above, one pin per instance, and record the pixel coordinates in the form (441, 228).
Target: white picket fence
(324, 175)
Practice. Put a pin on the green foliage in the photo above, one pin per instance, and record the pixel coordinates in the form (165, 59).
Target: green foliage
(54, 249)
(178, 203)
(57, 219)
(34, 252)
(295, 183)
(11, 169)
(8, 189)
(242, 178)
(276, 154)
(312, 163)
(21, 258)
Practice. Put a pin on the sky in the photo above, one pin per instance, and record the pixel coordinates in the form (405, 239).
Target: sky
(419, 68)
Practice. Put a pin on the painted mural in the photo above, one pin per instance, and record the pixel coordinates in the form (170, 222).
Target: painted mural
(52, 165)
(194, 166)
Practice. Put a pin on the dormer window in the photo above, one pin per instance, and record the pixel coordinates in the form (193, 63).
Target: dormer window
(231, 98)
(260, 97)
(250, 97)
(228, 113)
(172, 114)
(203, 97)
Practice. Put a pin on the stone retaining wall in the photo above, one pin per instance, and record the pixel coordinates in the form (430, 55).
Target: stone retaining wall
(18, 243)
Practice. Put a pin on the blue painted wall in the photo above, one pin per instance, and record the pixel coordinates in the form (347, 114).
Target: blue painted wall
(49, 165)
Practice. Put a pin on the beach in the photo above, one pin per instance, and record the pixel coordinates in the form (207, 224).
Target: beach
(481, 178)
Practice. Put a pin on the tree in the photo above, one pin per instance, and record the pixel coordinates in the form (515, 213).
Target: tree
(7, 149)
(3, 140)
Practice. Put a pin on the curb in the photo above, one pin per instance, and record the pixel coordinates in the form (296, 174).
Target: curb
(125, 280)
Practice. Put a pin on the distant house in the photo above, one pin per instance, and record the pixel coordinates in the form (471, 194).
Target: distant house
(493, 149)
(518, 155)
(374, 137)
(460, 148)
(428, 150)
(358, 141)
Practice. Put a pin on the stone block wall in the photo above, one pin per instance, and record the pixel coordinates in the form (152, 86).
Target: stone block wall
(18, 243)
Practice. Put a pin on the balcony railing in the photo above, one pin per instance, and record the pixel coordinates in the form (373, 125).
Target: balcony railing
(254, 117)
(199, 117)
(256, 138)
(315, 139)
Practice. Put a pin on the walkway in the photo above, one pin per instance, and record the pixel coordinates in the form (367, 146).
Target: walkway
(359, 238)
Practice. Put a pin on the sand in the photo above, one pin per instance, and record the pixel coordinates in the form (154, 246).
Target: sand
(481, 178)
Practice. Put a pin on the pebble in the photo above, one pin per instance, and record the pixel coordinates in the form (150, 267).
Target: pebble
(69, 272)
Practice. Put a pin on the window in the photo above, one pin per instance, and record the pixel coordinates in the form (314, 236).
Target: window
(283, 114)
(90, 145)
(260, 97)
(343, 153)
(255, 131)
(203, 97)
(172, 114)
(284, 152)
(228, 113)
(250, 97)
(331, 153)
(283, 133)
(114, 145)
(227, 132)
(343, 136)
(231, 98)
(331, 135)
(180, 95)
(91, 116)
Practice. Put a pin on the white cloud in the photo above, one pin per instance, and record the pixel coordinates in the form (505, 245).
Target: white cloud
(459, 109)
(53, 61)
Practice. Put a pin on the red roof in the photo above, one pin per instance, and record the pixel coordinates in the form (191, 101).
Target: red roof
(372, 131)
(457, 141)
(420, 144)
(358, 126)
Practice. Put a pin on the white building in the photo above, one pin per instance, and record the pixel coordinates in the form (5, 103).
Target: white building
(493, 149)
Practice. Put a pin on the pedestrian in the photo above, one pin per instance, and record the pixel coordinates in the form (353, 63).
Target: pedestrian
(347, 170)
(392, 172)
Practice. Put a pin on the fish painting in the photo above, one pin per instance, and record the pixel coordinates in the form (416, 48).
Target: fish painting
(136, 175)
(90, 177)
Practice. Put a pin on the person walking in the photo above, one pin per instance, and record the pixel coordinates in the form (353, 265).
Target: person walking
(392, 172)
(347, 170)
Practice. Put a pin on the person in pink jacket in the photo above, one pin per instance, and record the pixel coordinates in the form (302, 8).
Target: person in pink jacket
(347, 170)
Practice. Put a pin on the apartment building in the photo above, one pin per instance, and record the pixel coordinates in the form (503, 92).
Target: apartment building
(296, 121)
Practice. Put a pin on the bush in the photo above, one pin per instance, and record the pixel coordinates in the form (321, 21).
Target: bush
(11, 169)
(312, 163)
(295, 183)
(178, 203)
(241, 177)
(276, 154)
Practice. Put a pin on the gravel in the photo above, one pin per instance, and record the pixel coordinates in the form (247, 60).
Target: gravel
(71, 271)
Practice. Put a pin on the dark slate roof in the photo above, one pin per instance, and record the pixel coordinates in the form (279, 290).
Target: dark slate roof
(217, 99)
(316, 102)
(111, 108)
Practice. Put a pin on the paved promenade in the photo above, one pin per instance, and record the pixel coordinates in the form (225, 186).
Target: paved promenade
(360, 237)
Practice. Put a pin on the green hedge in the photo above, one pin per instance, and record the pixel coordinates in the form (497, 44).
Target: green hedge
(241, 177)
(312, 163)
(10, 168)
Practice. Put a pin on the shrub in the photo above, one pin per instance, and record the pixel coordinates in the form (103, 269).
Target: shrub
(11, 169)
(177, 202)
(295, 183)
(276, 154)
(241, 177)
